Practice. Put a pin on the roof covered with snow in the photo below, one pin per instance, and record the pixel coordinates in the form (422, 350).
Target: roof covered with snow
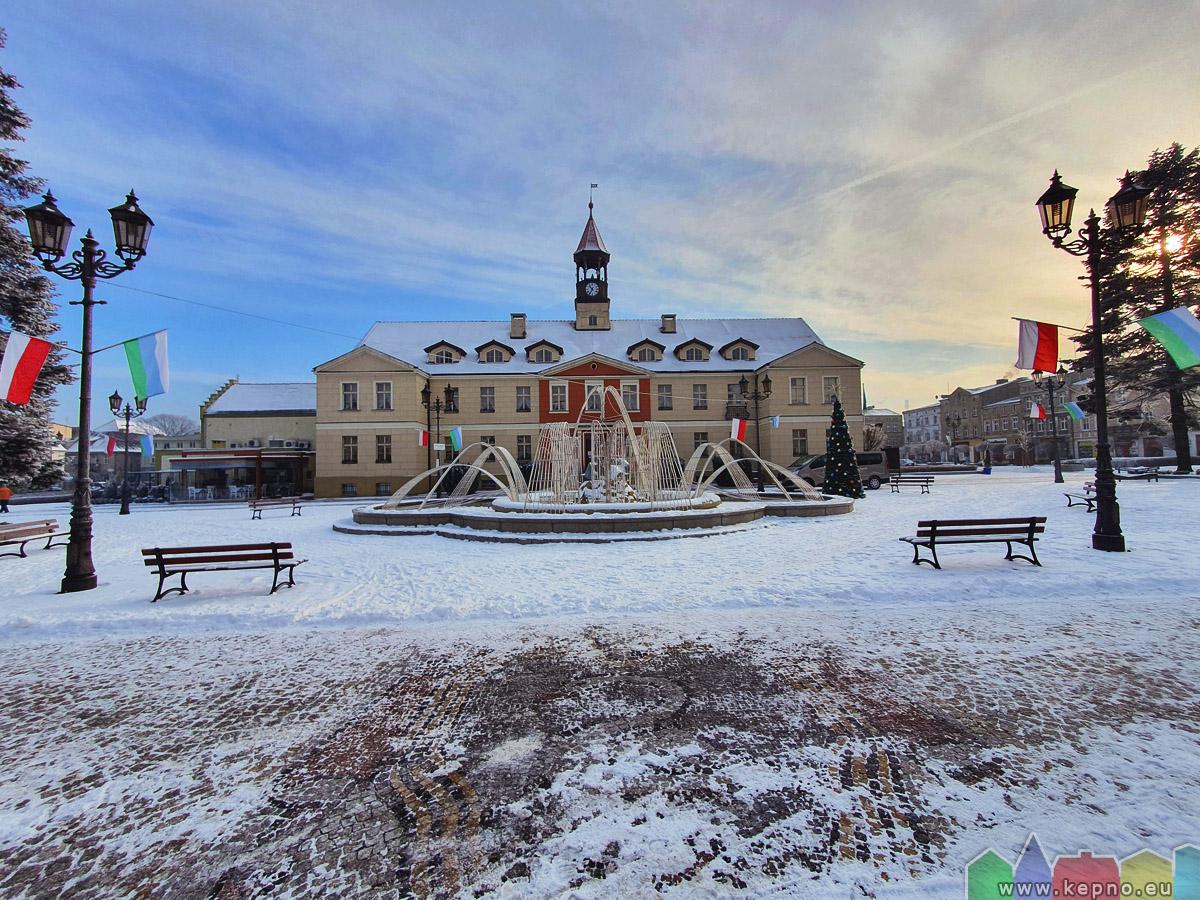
(242, 397)
(407, 341)
(879, 411)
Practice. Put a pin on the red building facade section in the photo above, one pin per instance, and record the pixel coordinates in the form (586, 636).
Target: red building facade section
(577, 379)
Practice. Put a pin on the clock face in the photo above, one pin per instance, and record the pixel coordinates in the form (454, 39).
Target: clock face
(592, 289)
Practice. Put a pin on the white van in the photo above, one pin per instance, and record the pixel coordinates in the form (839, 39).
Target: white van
(872, 469)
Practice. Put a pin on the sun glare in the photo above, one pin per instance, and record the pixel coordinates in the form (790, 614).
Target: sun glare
(1174, 243)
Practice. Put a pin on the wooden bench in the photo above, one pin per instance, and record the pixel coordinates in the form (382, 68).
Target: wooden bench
(1087, 498)
(257, 506)
(182, 561)
(934, 532)
(897, 480)
(22, 533)
(1147, 475)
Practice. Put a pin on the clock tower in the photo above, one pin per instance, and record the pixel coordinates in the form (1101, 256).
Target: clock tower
(591, 279)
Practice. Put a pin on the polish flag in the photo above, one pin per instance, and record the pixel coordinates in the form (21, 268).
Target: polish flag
(737, 429)
(23, 359)
(422, 438)
(1037, 411)
(112, 446)
(1037, 346)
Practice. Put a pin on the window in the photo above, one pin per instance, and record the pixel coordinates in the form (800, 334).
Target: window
(452, 406)
(799, 442)
(699, 396)
(494, 355)
(694, 354)
(524, 401)
(543, 355)
(595, 396)
(630, 395)
(699, 438)
(350, 395)
(349, 449)
(798, 391)
(383, 395)
(524, 448)
(558, 398)
(487, 399)
(489, 439)
(739, 353)
(349, 489)
(592, 321)
(647, 354)
(664, 397)
(383, 448)
(831, 388)
(383, 488)
(443, 356)
(733, 393)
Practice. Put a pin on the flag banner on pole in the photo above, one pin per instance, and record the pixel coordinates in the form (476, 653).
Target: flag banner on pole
(422, 438)
(112, 446)
(147, 445)
(147, 357)
(1179, 333)
(1037, 411)
(774, 421)
(23, 359)
(456, 439)
(1074, 410)
(1037, 346)
(737, 429)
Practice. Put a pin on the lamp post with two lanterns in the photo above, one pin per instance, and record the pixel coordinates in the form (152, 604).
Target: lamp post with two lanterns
(1127, 214)
(437, 406)
(50, 235)
(757, 394)
(1053, 381)
(139, 408)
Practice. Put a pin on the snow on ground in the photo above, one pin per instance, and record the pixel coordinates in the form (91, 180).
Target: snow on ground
(791, 708)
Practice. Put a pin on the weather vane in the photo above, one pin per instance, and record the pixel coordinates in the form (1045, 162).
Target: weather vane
(592, 188)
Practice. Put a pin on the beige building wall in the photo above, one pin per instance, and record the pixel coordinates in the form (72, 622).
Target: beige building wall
(223, 430)
(804, 410)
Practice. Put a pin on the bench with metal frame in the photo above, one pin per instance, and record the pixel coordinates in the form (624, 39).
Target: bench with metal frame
(897, 480)
(257, 506)
(182, 561)
(22, 533)
(934, 532)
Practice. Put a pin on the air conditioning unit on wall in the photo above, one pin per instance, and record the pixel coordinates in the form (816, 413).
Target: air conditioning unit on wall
(253, 442)
(289, 443)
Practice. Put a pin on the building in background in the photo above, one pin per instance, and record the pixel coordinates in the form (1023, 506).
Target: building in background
(890, 423)
(924, 440)
(508, 378)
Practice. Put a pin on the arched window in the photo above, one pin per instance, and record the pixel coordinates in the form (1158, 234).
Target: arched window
(543, 355)
(694, 354)
(739, 353)
(647, 354)
(493, 356)
(443, 356)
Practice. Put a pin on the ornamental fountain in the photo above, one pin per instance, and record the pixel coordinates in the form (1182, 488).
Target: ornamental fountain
(600, 478)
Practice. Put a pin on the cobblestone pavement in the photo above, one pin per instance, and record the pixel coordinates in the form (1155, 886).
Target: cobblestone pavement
(640, 760)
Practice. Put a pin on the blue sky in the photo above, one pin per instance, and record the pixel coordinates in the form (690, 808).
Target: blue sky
(871, 167)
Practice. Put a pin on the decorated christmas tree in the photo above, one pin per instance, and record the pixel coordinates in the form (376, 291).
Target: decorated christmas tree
(841, 466)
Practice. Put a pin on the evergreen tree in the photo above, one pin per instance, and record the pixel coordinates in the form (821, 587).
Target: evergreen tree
(26, 305)
(841, 465)
(1157, 271)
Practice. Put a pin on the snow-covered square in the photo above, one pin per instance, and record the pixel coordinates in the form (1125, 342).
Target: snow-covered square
(789, 708)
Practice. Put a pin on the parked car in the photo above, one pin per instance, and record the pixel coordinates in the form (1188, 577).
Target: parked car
(872, 469)
(905, 461)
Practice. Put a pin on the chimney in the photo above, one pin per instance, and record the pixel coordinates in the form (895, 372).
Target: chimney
(517, 328)
(668, 323)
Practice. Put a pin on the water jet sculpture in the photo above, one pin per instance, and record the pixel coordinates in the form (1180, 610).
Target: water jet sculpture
(602, 475)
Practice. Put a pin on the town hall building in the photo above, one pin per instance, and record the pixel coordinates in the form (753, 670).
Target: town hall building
(505, 379)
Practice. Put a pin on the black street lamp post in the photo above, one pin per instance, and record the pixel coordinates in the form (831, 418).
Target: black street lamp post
(437, 406)
(953, 421)
(1052, 382)
(114, 403)
(50, 235)
(1127, 211)
(757, 395)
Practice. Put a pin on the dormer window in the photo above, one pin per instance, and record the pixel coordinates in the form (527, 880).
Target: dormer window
(645, 351)
(444, 352)
(494, 352)
(740, 349)
(693, 351)
(543, 352)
